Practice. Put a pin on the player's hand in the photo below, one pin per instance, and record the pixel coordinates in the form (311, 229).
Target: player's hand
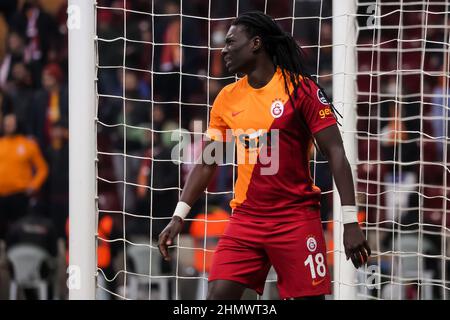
(355, 244)
(168, 234)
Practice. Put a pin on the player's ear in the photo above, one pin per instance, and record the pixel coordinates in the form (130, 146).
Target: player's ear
(257, 43)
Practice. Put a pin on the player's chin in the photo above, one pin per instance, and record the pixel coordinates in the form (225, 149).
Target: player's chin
(232, 68)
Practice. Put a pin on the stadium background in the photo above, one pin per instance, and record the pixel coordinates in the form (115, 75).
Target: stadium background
(33, 84)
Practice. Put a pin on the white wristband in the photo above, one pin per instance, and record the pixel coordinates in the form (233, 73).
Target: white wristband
(349, 214)
(182, 210)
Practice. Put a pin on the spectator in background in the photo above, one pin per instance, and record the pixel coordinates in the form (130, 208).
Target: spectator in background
(170, 55)
(326, 41)
(14, 53)
(109, 26)
(157, 117)
(16, 79)
(5, 106)
(22, 94)
(23, 170)
(219, 31)
(40, 31)
(193, 148)
(136, 110)
(50, 104)
(398, 148)
(129, 138)
(162, 177)
(57, 187)
(439, 110)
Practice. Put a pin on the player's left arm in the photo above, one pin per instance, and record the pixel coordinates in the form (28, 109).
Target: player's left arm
(330, 143)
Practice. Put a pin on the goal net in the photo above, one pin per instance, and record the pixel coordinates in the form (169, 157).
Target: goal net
(402, 131)
(159, 68)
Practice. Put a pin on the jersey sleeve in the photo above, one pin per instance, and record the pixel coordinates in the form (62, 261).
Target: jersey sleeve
(217, 129)
(314, 107)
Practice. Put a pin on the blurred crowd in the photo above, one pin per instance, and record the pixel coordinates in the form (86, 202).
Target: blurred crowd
(402, 144)
(149, 87)
(34, 137)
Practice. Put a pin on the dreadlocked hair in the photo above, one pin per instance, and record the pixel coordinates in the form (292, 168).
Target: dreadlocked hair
(286, 54)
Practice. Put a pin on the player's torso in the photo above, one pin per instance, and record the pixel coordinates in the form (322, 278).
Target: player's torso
(264, 124)
(251, 115)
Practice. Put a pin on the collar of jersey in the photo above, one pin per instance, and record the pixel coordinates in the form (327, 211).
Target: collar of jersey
(268, 85)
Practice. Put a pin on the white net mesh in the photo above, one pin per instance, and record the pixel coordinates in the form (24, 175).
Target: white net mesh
(402, 139)
(159, 70)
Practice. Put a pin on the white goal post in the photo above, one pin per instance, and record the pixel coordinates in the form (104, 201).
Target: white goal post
(82, 153)
(344, 99)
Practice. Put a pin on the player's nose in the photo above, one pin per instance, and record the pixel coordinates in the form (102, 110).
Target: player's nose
(224, 51)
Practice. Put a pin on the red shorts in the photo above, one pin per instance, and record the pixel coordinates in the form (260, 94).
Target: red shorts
(296, 250)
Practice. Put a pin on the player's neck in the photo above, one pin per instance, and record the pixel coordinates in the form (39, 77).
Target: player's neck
(261, 75)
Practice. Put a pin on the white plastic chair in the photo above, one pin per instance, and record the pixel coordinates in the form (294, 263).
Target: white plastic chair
(140, 256)
(27, 260)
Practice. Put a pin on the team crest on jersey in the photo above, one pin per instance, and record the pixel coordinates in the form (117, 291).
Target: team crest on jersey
(311, 244)
(277, 108)
(321, 97)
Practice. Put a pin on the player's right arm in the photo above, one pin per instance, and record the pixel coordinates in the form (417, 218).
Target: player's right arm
(197, 181)
(200, 175)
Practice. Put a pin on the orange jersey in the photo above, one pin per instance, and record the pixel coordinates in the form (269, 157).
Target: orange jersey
(278, 183)
(22, 165)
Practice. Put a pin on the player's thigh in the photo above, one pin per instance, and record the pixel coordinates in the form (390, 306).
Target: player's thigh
(225, 290)
(240, 258)
(297, 251)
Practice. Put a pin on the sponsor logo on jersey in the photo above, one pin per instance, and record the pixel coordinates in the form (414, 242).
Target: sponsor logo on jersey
(324, 112)
(255, 139)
